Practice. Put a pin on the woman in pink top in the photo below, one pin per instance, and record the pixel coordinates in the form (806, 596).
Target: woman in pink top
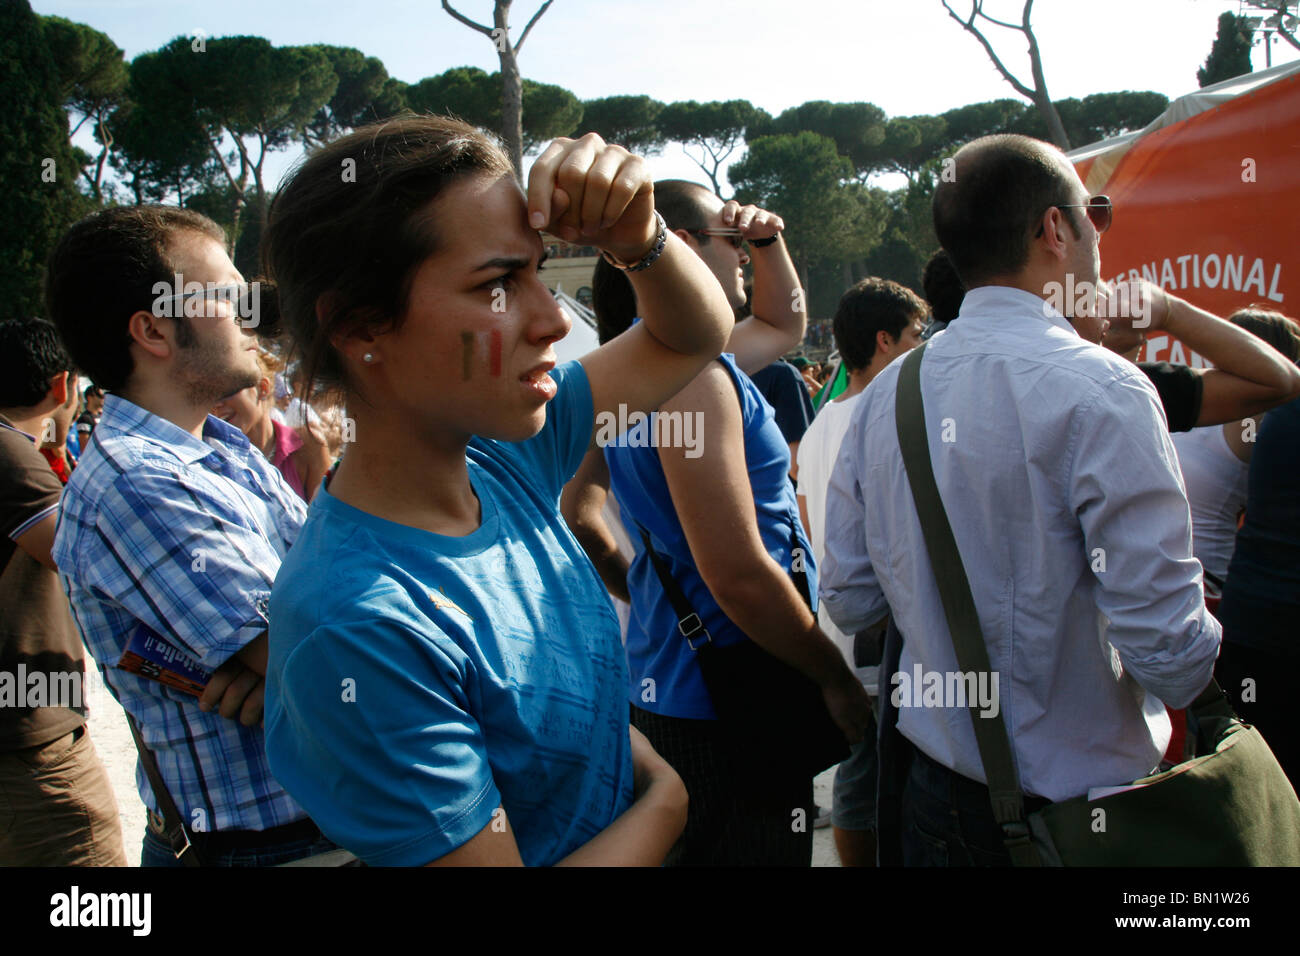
(299, 453)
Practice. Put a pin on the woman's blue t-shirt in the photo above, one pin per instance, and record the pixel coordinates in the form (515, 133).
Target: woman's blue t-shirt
(663, 675)
(416, 682)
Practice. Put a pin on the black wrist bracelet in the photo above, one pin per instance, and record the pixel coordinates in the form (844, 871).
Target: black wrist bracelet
(656, 249)
(760, 243)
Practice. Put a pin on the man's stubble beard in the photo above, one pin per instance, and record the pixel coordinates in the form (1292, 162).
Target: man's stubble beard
(206, 378)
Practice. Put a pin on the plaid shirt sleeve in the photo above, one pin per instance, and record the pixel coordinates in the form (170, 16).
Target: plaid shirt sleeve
(185, 560)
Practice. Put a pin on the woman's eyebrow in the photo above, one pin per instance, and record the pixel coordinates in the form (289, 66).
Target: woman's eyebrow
(510, 263)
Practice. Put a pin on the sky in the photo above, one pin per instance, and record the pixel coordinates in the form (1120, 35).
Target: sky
(906, 56)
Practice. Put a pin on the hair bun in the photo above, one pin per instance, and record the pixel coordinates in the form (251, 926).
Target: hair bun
(266, 301)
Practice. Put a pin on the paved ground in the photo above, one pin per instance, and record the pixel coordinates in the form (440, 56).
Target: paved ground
(112, 738)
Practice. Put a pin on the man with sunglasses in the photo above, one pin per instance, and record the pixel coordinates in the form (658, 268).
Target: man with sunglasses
(725, 527)
(173, 526)
(1061, 485)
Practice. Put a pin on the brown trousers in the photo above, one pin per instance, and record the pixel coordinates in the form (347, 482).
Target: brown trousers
(57, 806)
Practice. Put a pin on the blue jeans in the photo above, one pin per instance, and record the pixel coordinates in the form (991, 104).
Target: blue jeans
(947, 819)
(853, 794)
(213, 851)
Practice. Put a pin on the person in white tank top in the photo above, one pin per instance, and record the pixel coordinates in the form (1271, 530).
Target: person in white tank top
(1215, 477)
(1216, 460)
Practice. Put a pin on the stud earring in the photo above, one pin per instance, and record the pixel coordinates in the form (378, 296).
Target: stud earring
(367, 358)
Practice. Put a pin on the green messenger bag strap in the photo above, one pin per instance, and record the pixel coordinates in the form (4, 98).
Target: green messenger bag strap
(959, 610)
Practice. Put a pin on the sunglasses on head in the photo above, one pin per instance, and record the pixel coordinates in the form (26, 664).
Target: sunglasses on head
(731, 235)
(1099, 209)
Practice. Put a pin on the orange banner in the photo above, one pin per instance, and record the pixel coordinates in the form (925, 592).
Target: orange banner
(1208, 206)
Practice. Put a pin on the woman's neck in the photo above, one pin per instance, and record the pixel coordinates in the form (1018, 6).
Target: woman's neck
(262, 435)
(422, 482)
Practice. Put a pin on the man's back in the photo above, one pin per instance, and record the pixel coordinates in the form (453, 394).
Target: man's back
(1062, 489)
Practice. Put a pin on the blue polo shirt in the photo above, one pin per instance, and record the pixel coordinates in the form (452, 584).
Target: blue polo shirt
(417, 681)
(656, 650)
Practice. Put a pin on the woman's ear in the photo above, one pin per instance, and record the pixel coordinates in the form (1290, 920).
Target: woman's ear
(357, 340)
(263, 389)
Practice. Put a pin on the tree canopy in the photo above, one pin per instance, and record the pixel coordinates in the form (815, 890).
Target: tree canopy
(194, 121)
(475, 96)
(630, 121)
(714, 129)
(1229, 54)
(38, 166)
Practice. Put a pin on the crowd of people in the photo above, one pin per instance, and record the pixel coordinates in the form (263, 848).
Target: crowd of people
(380, 583)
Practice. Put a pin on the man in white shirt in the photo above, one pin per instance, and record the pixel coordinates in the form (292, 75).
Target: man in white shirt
(1062, 488)
(875, 322)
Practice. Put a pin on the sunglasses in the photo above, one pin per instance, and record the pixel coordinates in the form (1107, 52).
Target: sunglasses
(243, 298)
(731, 235)
(1100, 212)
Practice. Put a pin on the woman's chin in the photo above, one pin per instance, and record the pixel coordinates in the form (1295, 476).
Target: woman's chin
(520, 429)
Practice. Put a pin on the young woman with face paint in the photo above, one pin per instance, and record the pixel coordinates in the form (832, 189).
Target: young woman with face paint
(446, 682)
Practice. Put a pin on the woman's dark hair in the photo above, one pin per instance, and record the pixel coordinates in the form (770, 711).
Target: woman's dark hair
(612, 297)
(347, 231)
(1276, 329)
(943, 288)
(103, 271)
(30, 355)
(873, 305)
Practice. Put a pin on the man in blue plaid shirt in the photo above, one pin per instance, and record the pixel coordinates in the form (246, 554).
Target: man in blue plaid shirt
(173, 525)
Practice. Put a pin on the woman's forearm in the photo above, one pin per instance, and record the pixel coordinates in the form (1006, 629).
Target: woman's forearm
(643, 834)
(681, 303)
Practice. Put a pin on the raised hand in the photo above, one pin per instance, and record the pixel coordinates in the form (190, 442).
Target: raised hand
(753, 222)
(589, 191)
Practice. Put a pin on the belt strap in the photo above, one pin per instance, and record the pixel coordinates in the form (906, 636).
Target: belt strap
(176, 834)
(959, 609)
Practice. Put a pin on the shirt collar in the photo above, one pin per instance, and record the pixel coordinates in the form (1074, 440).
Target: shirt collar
(998, 302)
(121, 415)
(6, 423)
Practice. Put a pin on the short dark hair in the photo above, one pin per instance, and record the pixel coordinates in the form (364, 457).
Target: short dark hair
(612, 297)
(103, 271)
(873, 305)
(986, 214)
(30, 355)
(1278, 330)
(352, 224)
(679, 201)
(943, 288)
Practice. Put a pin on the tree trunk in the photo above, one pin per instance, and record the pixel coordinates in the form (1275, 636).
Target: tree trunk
(512, 90)
(107, 140)
(1055, 128)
